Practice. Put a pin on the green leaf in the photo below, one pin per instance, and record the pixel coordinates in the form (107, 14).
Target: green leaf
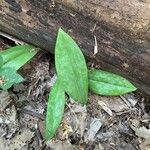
(1, 61)
(109, 84)
(17, 56)
(15, 51)
(71, 67)
(55, 110)
(8, 77)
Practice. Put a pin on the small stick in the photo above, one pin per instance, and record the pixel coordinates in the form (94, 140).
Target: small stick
(95, 47)
(125, 101)
(38, 134)
(17, 41)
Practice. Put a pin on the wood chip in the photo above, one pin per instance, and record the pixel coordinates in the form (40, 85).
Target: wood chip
(105, 107)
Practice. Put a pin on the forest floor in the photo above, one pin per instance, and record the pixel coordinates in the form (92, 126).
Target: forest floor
(106, 123)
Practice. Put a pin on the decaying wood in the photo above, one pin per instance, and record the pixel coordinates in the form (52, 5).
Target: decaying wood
(121, 28)
(129, 14)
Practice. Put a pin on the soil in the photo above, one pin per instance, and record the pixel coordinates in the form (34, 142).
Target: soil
(106, 123)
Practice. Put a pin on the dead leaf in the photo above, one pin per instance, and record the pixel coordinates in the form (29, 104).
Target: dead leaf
(94, 128)
(79, 108)
(21, 140)
(131, 99)
(113, 103)
(64, 130)
(2, 144)
(53, 80)
(135, 122)
(145, 145)
(61, 145)
(9, 119)
(141, 132)
(18, 142)
(4, 100)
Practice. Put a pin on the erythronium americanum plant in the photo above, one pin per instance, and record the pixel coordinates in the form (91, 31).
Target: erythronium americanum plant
(73, 78)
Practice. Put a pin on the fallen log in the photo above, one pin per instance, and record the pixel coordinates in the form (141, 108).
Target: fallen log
(122, 30)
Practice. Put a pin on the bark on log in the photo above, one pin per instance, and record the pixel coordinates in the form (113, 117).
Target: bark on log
(122, 29)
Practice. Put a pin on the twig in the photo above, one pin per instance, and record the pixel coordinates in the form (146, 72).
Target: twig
(125, 101)
(38, 134)
(17, 41)
(124, 112)
(95, 46)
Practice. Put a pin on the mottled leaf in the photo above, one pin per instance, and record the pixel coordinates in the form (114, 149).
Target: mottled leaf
(71, 67)
(109, 84)
(17, 56)
(55, 110)
(8, 77)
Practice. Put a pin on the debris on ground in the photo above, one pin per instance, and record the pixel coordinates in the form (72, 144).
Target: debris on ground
(141, 132)
(95, 126)
(18, 142)
(117, 123)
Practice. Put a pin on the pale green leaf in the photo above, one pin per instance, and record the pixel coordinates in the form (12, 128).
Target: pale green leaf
(109, 84)
(15, 51)
(71, 67)
(17, 56)
(55, 110)
(8, 77)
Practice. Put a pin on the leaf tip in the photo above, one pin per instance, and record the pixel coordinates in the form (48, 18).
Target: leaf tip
(60, 30)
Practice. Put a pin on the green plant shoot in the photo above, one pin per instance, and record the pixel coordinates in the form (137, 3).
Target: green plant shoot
(71, 67)
(55, 109)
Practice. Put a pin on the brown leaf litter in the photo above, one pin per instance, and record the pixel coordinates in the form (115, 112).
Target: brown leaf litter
(117, 123)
